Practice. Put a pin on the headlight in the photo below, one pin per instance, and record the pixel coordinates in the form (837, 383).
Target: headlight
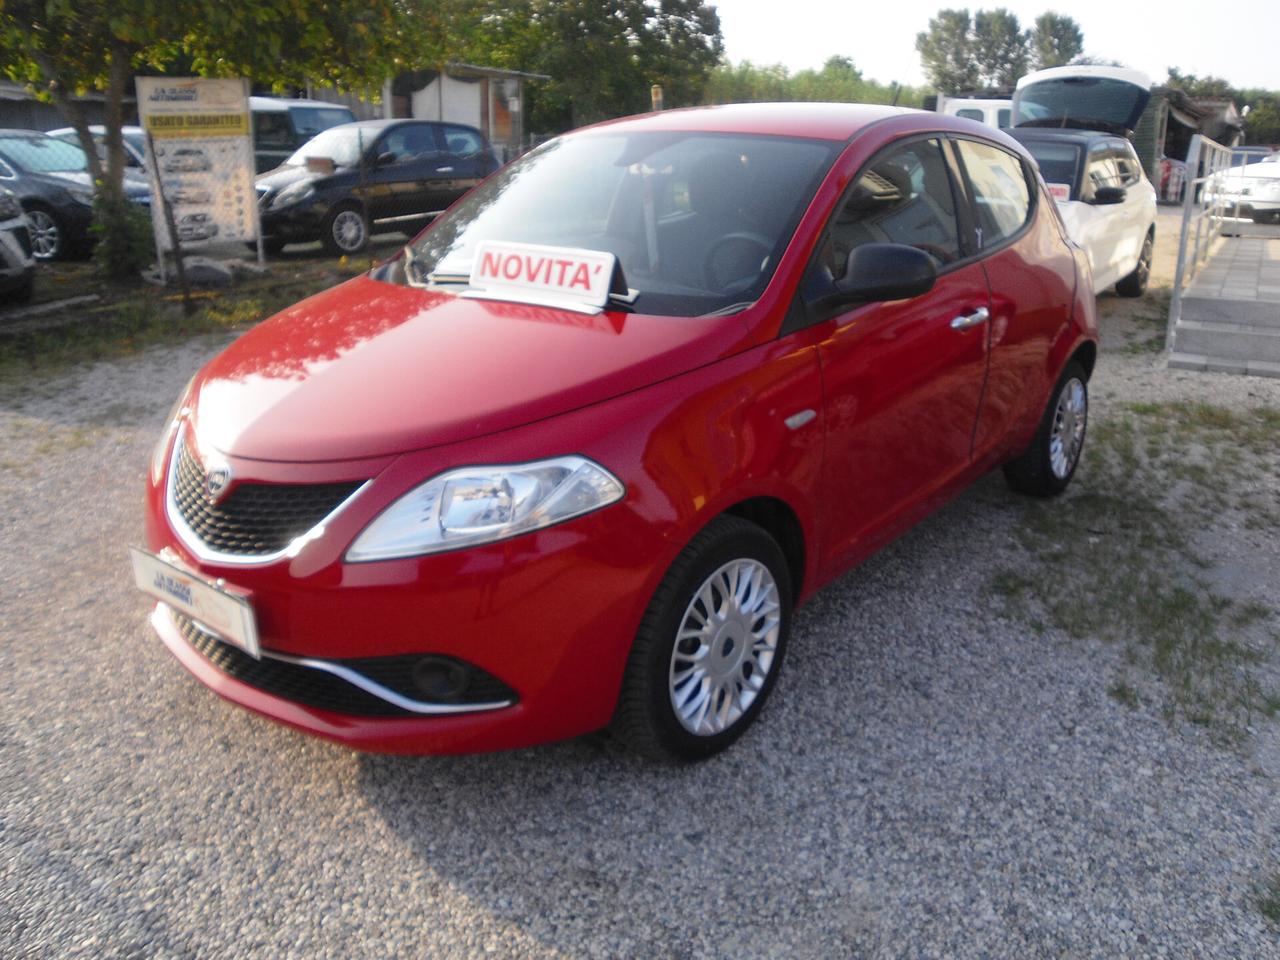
(475, 505)
(81, 195)
(294, 193)
(170, 428)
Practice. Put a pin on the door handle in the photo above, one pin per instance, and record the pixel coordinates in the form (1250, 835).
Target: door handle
(444, 169)
(965, 321)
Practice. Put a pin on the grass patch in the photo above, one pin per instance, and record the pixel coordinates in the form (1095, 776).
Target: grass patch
(134, 318)
(1124, 695)
(1116, 558)
(1267, 898)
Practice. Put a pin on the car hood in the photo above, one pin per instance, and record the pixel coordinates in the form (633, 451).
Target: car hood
(134, 187)
(369, 368)
(283, 176)
(1082, 101)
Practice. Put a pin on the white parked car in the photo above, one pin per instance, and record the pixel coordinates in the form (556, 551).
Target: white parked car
(1075, 121)
(1253, 190)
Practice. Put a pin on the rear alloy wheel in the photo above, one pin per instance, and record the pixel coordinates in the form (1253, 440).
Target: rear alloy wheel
(345, 231)
(1135, 284)
(48, 238)
(710, 646)
(1050, 462)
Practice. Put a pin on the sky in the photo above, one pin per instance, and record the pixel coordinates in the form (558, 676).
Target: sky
(1237, 43)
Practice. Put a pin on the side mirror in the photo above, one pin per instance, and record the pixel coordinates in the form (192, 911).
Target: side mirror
(876, 272)
(384, 159)
(1105, 196)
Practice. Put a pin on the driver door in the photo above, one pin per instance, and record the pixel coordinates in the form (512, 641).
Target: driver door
(902, 381)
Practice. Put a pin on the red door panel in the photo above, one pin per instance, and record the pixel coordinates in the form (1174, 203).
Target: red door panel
(1032, 288)
(902, 390)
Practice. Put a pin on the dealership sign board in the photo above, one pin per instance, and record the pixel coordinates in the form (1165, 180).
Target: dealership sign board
(203, 159)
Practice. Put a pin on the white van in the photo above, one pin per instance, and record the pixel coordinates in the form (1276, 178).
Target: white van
(281, 126)
(994, 113)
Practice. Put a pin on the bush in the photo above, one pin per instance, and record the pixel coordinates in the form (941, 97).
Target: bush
(125, 244)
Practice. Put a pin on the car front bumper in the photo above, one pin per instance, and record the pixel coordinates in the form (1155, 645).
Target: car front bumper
(549, 614)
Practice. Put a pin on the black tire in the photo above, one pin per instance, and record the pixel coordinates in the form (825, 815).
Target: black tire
(345, 230)
(49, 240)
(1034, 472)
(646, 717)
(1135, 284)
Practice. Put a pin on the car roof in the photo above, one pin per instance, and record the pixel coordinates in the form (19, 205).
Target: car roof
(14, 132)
(1080, 137)
(816, 121)
(281, 104)
(95, 128)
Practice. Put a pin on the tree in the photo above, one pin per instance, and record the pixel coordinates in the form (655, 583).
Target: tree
(1194, 86)
(1000, 47)
(602, 55)
(61, 48)
(947, 53)
(1056, 40)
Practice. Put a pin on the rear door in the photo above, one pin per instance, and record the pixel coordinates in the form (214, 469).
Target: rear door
(902, 381)
(465, 162)
(1031, 275)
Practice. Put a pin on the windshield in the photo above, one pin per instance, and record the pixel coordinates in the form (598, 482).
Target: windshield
(697, 221)
(309, 121)
(43, 154)
(343, 145)
(1080, 102)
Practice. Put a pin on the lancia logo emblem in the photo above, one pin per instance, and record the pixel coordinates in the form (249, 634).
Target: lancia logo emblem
(216, 482)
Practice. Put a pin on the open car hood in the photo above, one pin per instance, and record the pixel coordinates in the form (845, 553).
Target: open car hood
(1110, 99)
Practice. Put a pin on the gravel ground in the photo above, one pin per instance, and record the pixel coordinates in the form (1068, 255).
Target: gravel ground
(933, 778)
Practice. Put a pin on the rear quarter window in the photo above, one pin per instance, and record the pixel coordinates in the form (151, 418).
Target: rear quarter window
(1000, 191)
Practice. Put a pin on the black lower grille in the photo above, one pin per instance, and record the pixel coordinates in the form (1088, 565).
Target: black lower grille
(256, 519)
(315, 688)
(24, 239)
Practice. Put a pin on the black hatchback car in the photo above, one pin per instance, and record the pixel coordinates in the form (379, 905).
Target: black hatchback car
(51, 178)
(372, 176)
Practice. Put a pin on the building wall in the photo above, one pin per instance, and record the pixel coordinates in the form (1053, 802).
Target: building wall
(458, 101)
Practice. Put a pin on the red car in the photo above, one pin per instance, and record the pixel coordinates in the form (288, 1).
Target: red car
(575, 455)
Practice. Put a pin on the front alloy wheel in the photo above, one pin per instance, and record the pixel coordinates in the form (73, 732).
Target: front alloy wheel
(710, 645)
(725, 647)
(47, 238)
(346, 231)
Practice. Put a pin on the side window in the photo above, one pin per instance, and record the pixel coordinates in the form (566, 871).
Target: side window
(1003, 118)
(1000, 190)
(1127, 164)
(905, 196)
(272, 131)
(1101, 172)
(462, 142)
(970, 114)
(411, 141)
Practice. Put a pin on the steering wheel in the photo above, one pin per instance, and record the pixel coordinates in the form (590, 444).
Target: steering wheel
(712, 271)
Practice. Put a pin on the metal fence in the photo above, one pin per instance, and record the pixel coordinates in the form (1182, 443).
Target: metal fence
(1206, 207)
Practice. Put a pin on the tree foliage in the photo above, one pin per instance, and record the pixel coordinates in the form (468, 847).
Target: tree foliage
(602, 56)
(1261, 125)
(1056, 40)
(960, 52)
(837, 81)
(947, 51)
(1000, 47)
(62, 48)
